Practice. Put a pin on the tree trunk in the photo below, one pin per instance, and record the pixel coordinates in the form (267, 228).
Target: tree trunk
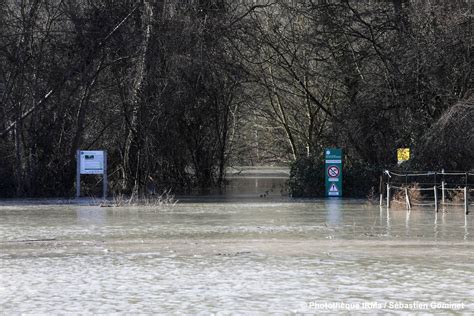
(80, 119)
(284, 119)
(131, 165)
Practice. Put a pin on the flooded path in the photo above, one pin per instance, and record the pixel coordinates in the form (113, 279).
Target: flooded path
(242, 257)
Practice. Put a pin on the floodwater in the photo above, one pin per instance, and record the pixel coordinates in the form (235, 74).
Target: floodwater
(247, 257)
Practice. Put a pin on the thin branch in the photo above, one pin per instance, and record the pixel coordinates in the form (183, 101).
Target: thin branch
(65, 78)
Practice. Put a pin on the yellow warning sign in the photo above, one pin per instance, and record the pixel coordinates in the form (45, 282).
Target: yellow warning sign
(403, 154)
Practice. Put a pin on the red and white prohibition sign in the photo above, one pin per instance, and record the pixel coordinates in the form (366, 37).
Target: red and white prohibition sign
(333, 171)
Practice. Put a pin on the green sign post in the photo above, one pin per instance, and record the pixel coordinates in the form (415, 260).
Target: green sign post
(333, 171)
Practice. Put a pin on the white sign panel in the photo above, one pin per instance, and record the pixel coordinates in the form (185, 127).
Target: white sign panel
(92, 161)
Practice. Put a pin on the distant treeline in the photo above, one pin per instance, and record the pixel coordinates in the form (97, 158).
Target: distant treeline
(175, 91)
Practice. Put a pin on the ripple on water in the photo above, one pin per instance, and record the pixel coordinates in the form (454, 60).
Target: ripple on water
(152, 283)
(376, 256)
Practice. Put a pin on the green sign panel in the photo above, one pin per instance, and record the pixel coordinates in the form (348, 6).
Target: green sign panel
(333, 171)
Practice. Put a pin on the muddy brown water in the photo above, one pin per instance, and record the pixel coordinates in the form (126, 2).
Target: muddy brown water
(246, 257)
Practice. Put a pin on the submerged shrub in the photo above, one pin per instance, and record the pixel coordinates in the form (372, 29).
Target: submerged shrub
(414, 193)
(456, 196)
(359, 179)
(306, 178)
(164, 199)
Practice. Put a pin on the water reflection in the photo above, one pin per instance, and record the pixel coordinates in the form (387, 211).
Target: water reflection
(466, 232)
(245, 257)
(91, 215)
(333, 211)
(347, 219)
(407, 223)
(389, 226)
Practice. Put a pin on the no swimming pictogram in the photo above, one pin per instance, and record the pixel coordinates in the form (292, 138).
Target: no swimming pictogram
(333, 171)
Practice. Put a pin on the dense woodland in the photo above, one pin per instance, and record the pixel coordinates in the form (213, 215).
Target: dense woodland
(176, 91)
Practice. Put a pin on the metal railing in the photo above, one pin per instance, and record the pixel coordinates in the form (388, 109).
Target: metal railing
(428, 181)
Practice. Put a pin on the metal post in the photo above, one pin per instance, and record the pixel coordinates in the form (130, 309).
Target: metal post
(443, 187)
(78, 174)
(466, 201)
(435, 198)
(388, 195)
(466, 196)
(442, 192)
(381, 190)
(407, 199)
(104, 176)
